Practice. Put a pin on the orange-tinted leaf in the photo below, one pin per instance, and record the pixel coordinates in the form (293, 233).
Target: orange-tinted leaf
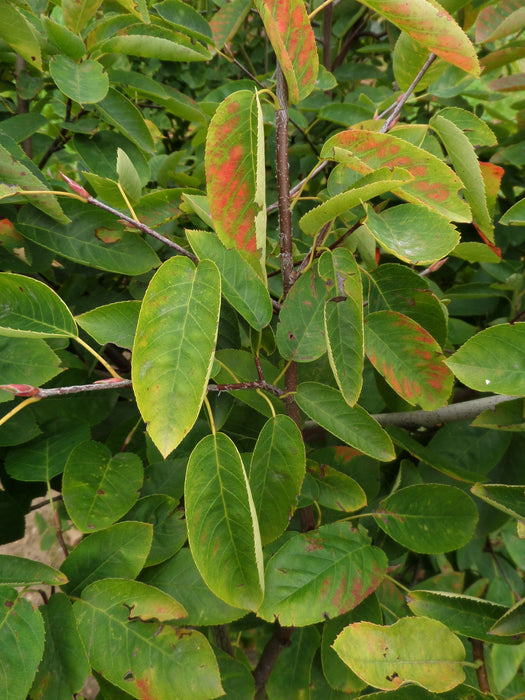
(509, 83)
(491, 175)
(433, 27)
(292, 38)
(409, 359)
(225, 23)
(491, 17)
(234, 176)
(435, 185)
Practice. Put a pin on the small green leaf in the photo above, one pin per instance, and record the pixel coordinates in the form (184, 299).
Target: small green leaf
(414, 649)
(275, 475)
(223, 531)
(22, 643)
(290, 32)
(235, 177)
(412, 233)
(433, 183)
(354, 426)
(31, 309)
(18, 571)
(97, 488)
(337, 490)
(162, 660)
(85, 83)
(173, 349)
(321, 574)
(241, 286)
(27, 361)
(428, 518)
(515, 215)
(185, 18)
(409, 359)
(509, 499)
(462, 614)
(69, 43)
(118, 111)
(493, 360)
(128, 176)
(77, 15)
(112, 323)
(512, 622)
(64, 666)
(117, 551)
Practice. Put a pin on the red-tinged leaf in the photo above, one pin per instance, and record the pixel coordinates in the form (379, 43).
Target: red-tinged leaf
(490, 18)
(503, 57)
(409, 358)
(435, 185)
(511, 24)
(433, 27)
(225, 23)
(235, 176)
(510, 83)
(492, 175)
(292, 38)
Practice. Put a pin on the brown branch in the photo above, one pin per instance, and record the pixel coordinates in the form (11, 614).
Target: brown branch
(478, 653)
(271, 651)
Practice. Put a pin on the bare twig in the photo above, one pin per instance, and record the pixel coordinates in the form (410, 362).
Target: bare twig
(478, 653)
(392, 119)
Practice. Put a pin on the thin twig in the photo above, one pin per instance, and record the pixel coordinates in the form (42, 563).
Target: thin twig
(314, 250)
(41, 504)
(478, 654)
(399, 106)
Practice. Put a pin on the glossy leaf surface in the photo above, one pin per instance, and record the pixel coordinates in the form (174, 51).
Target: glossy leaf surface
(428, 518)
(275, 475)
(98, 489)
(409, 359)
(235, 177)
(173, 349)
(354, 426)
(417, 650)
(434, 185)
(321, 574)
(493, 360)
(19, 571)
(290, 33)
(222, 523)
(85, 82)
(337, 490)
(112, 323)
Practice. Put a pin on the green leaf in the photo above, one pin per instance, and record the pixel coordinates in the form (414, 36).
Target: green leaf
(31, 309)
(290, 32)
(160, 660)
(475, 252)
(223, 531)
(462, 614)
(493, 360)
(321, 574)
(69, 43)
(409, 359)
(412, 233)
(512, 622)
(384, 180)
(184, 18)
(428, 518)
(275, 475)
(414, 692)
(99, 153)
(77, 15)
(227, 20)
(515, 215)
(45, 458)
(21, 641)
(508, 499)
(180, 578)
(300, 331)
(434, 184)
(290, 676)
(169, 526)
(235, 177)
(117, 551)
(466, 165)
(85, 83)
(414, 649)
(337, 490)
(118, 111)
(173, 349)
(27, 361)
(125, 252)
(97, 488)
(354, 426)
(241, 286)
(22, 126)
(112, 323)
(433, 28)
(20, 34)
(64, 666)
(475, 129)
(393, 287)
(18, 571)
(128, 176)
(343, 321)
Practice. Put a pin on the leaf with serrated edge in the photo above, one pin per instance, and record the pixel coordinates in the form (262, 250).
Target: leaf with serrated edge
(223, 530)
(435, 185)
(173, 349)
(290, 32)
(504, 497)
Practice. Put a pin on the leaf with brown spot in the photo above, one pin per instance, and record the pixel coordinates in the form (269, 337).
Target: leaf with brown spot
(290, 32)
(235, 177)
(409, 358)
(435, 185)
